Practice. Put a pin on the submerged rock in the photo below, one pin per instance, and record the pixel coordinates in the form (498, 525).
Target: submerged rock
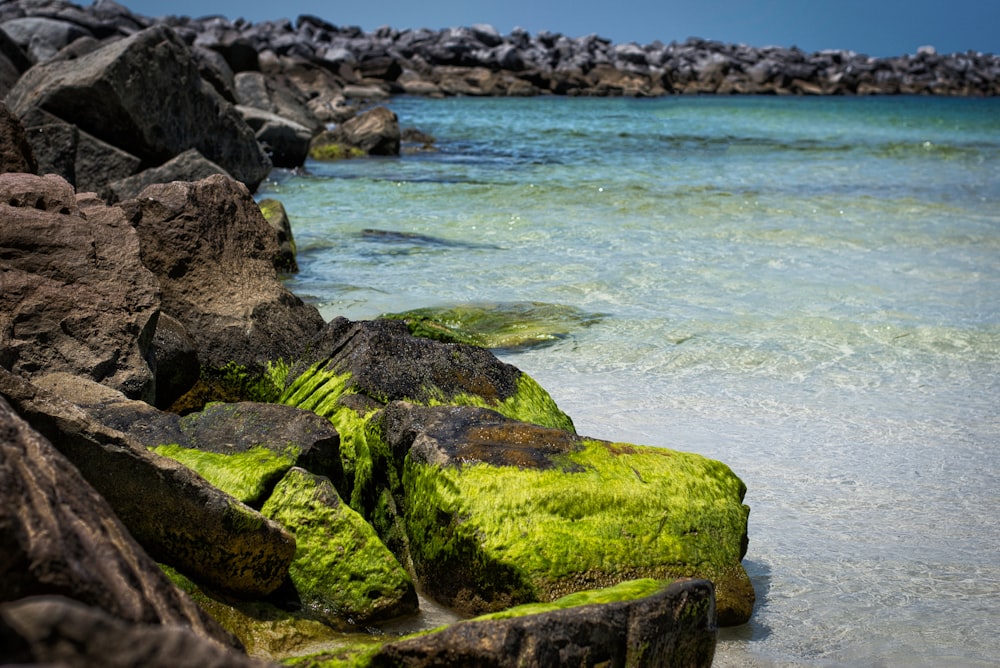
(498, 326)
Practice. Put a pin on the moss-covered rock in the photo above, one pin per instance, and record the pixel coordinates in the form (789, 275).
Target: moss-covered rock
(276, 216)
(642, 623)
(263, 629)
(499, 513)
(373, 363)
(334, 150)
(244, 448)
(498, 326)
(341, 570)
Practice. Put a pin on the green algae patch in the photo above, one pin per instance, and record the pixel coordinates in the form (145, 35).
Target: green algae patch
(607, 513)
(365, 458)
(342, 570)
(626, 591)
(499, 326)
(248, 476)
(335, 151)
(264, 629)
(233, 383)
(530, 403)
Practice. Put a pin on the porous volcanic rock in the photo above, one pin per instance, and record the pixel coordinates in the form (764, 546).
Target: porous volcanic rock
(213, 253)
(74, 294)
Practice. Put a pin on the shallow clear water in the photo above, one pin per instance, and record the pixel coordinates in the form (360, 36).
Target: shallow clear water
(806, 289)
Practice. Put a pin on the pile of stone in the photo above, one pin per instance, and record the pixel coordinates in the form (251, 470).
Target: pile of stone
(242, 98)
(479, 60)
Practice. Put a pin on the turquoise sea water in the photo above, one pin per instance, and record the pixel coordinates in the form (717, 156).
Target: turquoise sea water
(807, 289)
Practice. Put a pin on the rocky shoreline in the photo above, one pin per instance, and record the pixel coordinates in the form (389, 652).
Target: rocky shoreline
(479, 60)
(193, 461)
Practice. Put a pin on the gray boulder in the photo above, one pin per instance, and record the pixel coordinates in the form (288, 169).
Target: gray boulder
(145, 95)
(42, 38)
(16, 154)
(376, 132)
(284, 140)
(190, 165)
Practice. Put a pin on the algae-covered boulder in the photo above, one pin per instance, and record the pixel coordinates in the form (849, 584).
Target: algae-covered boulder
(498, 326)
(498, 513)
(341, 571)
(356, 368)
(643, 623)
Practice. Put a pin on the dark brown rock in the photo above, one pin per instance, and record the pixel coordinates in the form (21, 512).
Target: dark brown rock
(175, 515)
(15, 151)
(145, 95)
(61, 537)
(57, 631)
(177, 366)
(468, 435)
(674, 627)
(213, 253)
(74, 295)
(387, 363)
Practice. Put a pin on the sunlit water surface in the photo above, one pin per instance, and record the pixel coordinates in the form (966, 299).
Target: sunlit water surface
(805, 289)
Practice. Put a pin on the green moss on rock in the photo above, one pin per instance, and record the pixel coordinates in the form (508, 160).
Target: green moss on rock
(335, 151)
(612, 512)
(263, 629)
(341, 569)
(530, 403)
(249, 476)
(500, 326)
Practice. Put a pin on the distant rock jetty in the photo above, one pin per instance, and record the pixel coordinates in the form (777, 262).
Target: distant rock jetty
(479, 60)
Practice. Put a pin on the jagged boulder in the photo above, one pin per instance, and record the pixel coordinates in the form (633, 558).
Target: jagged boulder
(61, 537)
(16, 154)
(374, 132)
(175, 514)
(190, 165)
(145, 96)
(213, 253)
(74, 294)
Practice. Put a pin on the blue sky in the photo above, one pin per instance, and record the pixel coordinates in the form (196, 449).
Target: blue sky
(874, 27)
